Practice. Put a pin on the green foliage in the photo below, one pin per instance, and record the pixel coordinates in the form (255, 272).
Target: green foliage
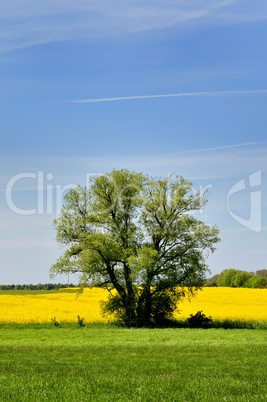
(160, 306)
(257, 282)
(211, 282)
(199, 320)
(138, 234)
(241, 279)
(236, 278)
(55, 322)
(262, 273)
(226, 277)
(80, 321)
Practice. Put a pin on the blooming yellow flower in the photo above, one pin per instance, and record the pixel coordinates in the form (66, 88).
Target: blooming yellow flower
(220, 303)
(227, 303)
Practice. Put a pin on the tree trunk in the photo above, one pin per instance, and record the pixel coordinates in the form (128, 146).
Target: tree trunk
(144, 308)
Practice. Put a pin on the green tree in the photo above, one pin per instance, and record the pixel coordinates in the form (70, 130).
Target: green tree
(262, 273)
(211, 282)
(138, 235)
(227, 277)
(257, 282)
(241, 279)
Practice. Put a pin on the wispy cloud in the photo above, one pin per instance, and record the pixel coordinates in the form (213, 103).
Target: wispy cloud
(221, 162)
(217, 94)
(30, 22)
(244, 144)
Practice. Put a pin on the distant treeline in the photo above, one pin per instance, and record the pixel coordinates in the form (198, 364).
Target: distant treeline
(235, 278)
(40, 286)
(229, 277)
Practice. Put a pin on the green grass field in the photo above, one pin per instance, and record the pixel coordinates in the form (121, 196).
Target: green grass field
(109, 363)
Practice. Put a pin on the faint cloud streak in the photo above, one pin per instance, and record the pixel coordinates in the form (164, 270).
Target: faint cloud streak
(28, 23)
(217, 94)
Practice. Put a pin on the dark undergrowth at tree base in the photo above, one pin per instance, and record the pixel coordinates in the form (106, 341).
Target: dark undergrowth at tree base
(226, 324)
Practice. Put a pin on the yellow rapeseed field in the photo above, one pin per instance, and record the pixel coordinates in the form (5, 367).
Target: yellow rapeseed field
(228, 303)
(220, 303)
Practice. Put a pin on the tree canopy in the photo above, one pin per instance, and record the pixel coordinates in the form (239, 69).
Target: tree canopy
(138, 236)
(236, 279)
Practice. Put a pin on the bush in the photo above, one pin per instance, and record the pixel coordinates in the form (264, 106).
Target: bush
(55, 322)
(210, 284)
(199, 320)
(80, 321)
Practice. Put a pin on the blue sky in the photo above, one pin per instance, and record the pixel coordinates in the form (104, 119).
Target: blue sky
(82, 91)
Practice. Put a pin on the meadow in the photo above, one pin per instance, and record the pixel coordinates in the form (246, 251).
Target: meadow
(109, 363)
(221, 303)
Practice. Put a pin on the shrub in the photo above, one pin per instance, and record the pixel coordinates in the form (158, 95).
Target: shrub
(80, 321)
(199, 320)
(210, 284)
(55, 322)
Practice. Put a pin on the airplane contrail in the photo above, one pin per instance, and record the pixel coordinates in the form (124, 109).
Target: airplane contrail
(207, 94)
(244, 144)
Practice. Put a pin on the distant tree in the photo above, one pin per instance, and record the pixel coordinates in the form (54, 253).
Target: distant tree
(241, 279)
(236, 278)
(211, 282)
(257, 282)
(214, 278)
(226, 277)
(262, 273)
(138, 234)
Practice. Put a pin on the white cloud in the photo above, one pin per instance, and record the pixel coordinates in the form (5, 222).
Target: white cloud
(116, 8)
(26, 23)
(182, 94)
